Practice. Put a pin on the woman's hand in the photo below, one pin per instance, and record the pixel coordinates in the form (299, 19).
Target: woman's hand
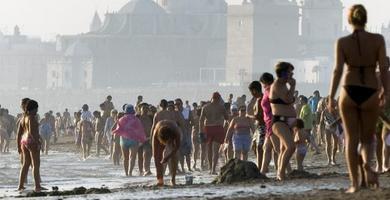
(331, 105)
(291, 82)
(383, 99)
(19, 149)
(164, 160)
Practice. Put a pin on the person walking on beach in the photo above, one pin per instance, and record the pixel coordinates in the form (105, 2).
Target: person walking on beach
(360, 97)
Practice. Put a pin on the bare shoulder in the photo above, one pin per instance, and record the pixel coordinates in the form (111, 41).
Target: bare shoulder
(379, 37)
(342, 40)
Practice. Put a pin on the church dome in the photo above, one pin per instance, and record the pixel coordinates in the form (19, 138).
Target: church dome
(141, 7)
(78, 49)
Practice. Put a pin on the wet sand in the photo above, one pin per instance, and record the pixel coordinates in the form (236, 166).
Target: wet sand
(66, 170)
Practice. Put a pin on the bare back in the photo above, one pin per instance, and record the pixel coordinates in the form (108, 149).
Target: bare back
(215, 114)
(362, 52)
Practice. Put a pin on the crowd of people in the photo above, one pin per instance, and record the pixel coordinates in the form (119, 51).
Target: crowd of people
(275, 123)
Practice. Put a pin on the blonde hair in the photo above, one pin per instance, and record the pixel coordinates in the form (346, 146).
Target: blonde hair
(357, 15)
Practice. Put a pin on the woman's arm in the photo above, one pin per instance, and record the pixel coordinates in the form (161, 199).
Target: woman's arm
(383, 62)
(202, 120)
(229, 132)
(337, 71)
(153, 125)
(33, 127)
(19, 133)
(175, 148)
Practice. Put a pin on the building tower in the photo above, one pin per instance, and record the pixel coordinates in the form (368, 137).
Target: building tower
(322, 24)
(96, 23)
(276, 33)
(239, 57)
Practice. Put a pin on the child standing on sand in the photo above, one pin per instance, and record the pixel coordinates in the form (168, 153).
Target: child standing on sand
(301, 139)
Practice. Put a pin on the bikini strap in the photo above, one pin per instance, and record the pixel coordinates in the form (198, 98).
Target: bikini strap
(361, 68)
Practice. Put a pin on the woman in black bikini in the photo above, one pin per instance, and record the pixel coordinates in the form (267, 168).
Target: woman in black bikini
(284, 115)
(360, 99)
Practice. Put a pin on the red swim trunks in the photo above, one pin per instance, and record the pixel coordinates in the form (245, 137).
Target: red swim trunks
(215, 134)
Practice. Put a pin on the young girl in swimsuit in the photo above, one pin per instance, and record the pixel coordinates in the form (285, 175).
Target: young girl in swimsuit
(271, 143)
(301, 138)
(239, 132)
(331, 122)
(360, 98)
(30, 145)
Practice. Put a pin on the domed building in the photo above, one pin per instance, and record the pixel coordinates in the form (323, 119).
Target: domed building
(147, 42)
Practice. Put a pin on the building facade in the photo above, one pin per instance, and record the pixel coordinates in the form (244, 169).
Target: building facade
(263, 32)
(156, 42)
(23, 61)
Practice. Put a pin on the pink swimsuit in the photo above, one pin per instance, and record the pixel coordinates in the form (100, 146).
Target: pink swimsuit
(267, 112)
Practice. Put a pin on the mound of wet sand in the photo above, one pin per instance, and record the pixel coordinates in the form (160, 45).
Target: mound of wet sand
(75, 191)
(238, 171)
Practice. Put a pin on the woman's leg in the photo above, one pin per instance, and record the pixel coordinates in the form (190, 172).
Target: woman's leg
(147, 158)
(125, 154)
(36, 164)
(97, 140)
(141, 160)
(386, 150)
(369, 118)
(188, 161)
(379, 147)
(350, 117)
(133, 156)
(335, 148)
(47, 141)
(267, 154)
(89, 145)
(196, 147)
(84, 149)
(328, 146)
(26, 160)
(1, 143)
(173, 168)
(276, 149)
(287, 147)
(210, 154)
(299, 158)
(158, 149)
(203, 156)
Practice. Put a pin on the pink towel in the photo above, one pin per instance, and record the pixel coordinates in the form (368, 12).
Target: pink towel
(130, 127)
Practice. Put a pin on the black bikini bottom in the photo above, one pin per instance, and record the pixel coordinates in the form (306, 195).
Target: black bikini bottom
(359, 94)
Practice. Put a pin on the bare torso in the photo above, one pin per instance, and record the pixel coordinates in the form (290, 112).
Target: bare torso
(361, 49)
(214, 114)
(279, 90)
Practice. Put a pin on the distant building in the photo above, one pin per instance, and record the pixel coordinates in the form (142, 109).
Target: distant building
(259, 31)
(262, 32)
(385, 31)
(148, 42)
(240, 40)
(322, 23)
(23, 61)
(73, 69)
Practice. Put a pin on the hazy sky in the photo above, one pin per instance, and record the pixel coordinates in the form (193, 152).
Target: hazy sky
(47, 18)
